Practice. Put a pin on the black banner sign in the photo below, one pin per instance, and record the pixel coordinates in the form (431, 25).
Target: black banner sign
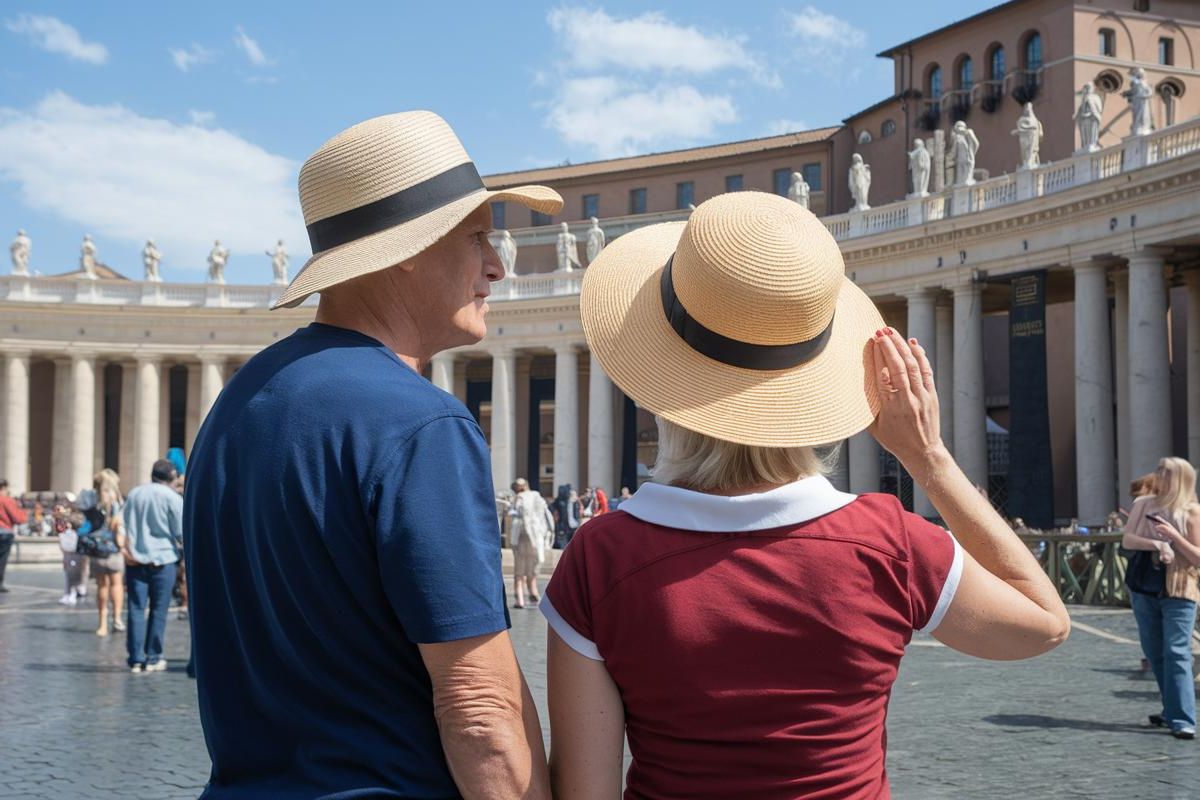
(1030, 468)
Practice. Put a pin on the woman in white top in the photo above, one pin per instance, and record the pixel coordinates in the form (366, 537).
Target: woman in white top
(532, 528)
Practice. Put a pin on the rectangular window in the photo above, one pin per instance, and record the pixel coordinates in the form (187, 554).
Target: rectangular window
(637, 201)
(781, 180)
(591, 206)
(498, 216)
(1108, 42)
(541, 219)
(1166, 51)
(733, 183)
(812, 176)
(685, 194)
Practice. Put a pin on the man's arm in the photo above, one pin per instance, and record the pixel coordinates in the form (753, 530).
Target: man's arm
(488, 723)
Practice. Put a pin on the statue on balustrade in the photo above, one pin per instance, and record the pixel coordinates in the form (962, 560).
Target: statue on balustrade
(860, 182)
(920, 164)
(218, 257)
(1087, 117)
(87, 257)
(1138, 94)
(279, 263)
(568, 249)
(508, 253)
(150, 260)
(595, 240)
(19, 250)
(963, 145)
(1029, 135)
(799, 190)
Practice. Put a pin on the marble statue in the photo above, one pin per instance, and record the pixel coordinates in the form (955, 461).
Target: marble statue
(568, 249)
(218, 257)
(87, 257)
(19, 250)
(595, 240)
(279, 263)
(1138, 94)
(919, 167)
(508, 253)
(860, 182)
(1087, 117)
(150, 259)
(799, 190)
(1029, 135)
(964, 145)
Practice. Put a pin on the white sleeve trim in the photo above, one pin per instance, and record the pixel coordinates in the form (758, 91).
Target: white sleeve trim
(585, 647)
(948, 588)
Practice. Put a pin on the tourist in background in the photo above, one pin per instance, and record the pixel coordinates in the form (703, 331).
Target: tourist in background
(1165, 605)
(153, 526)
(104, 523)
(567, 515)
(11, 515)
(68, 521)
(531, 526)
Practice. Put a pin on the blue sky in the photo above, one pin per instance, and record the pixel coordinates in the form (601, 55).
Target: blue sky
(188, 122)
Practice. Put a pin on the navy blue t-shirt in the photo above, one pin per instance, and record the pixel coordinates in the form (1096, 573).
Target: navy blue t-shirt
(339, 511)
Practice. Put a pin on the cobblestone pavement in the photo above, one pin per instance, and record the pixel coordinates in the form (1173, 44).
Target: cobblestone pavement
(75, 724)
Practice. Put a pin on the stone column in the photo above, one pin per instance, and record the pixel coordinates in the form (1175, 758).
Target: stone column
(504, 427)
(442, 376)
(83, 421)
(943, 370)
(970, 410)
(212, 380)
(60, 429)
(16, 421)
(1149, 367)
(1193, 365)
(146, 418)
(601, 465)
(1094, 445)
(566, 416)
(192, 415)
(126, 452)
(164, 409)
(100, 419)
(864, 463)
(1121, 376)
(922, 326)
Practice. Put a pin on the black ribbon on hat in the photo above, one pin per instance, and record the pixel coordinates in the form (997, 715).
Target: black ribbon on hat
(731, 351)
(395, 209)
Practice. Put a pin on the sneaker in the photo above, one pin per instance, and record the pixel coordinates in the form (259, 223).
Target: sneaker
(68, 599)
(136, 668)
(1184, 733)
(118, 626)
(157, 666)
(1157, 720)
(3, 589)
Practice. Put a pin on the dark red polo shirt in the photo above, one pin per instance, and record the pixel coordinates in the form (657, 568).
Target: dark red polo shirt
(754, 639)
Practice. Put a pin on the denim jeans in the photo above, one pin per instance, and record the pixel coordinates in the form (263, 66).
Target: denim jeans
(146, 582)
(6, 543)
(1165, 628)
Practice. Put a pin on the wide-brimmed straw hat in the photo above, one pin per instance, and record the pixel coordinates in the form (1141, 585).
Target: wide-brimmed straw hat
(383, 191)
(739, 324)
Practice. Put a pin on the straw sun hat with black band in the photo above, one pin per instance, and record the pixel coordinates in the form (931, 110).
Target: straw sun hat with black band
(739, 324)
(383, 191)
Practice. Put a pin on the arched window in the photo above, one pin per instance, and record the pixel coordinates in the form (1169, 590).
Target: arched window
(1033, 52)
(935, 83)
(966, 73)
(887, 129)
(864, 137)
(997, 64)
(1108, 42)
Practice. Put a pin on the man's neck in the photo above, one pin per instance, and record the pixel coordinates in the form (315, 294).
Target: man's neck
(397, 335)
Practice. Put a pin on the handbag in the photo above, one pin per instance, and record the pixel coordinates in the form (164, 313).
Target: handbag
(1144, 573)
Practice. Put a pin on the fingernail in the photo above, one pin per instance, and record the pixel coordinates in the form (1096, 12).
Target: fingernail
(912, 341)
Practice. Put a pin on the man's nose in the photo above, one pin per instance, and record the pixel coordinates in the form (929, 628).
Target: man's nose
(492, 265)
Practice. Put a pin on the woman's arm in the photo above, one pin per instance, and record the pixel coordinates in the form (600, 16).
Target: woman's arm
(587, 725)
(1187, 546)
(1005, 607)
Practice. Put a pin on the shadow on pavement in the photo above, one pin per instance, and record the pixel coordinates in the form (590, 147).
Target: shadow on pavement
(1041, 721)
(88, 668)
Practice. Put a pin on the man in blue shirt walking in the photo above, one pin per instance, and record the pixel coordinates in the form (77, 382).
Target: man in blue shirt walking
(153, 524)
(343, 552)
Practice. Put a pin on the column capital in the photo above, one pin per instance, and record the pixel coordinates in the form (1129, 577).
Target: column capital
(1090, 265)
(148, 358)
(918, 293)
(501, 351)
(445, 356)
(213, 358)
(18, 352)
(568, 347)
(1143, 255)
(84, 356)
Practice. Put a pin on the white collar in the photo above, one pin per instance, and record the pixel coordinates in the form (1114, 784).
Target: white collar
(684, 509)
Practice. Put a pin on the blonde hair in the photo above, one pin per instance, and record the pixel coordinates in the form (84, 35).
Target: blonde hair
(1142, 486)
(1175, 485)
(107, 484)
(694, 461)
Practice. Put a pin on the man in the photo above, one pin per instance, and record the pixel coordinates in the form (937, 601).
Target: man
(349, 618)
(153, 524)
(11, 515)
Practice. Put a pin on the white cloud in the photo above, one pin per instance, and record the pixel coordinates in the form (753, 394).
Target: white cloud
(250, 47)
(607, 116)
(823, 41)
(55, 36)
(594, 41)
(779, 126)
(202, 118)
(192, 56)
(130, 177)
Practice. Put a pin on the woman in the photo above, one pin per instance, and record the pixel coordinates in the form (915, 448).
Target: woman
(567, 514)
(530, 532)
(1170, 516)
(109, 571)
(738, 618)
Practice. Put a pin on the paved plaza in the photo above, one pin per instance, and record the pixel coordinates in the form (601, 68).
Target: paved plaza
(75, 724)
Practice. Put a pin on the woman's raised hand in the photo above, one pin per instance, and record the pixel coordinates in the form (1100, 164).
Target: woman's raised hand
(908, 422)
